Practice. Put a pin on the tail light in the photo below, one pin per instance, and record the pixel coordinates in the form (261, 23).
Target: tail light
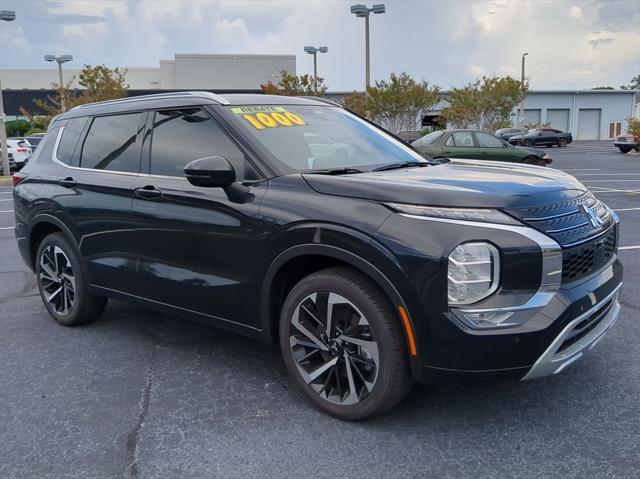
(18, 178)
(21, 150)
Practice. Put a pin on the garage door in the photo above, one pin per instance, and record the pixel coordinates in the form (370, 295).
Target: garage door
(558, 118)
(589, 124)
(532, 117)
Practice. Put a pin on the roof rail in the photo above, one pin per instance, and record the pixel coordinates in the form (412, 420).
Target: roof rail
(325, 100)
(156, 96)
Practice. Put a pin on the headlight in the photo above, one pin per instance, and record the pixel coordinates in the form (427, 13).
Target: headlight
(464, 214)
(473, 272)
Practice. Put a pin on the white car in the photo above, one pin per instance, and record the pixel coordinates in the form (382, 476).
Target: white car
(324, 148)
(21, 151)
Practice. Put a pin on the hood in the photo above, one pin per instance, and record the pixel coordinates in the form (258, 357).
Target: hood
(457, 183)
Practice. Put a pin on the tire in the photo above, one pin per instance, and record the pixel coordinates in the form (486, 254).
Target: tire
(624, 149)
(562, 142)
(637, 147)
(372, 329)
(58, 268)
(527, 143)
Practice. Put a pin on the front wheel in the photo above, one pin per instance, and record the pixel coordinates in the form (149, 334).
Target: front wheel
(527, 143)
(62, 283)
(342, 344)
(624, 149)
(562, 142)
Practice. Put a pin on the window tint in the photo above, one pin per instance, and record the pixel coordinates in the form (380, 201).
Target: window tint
(69, 140)
(45, 148)
(463, 138)
(487, 141)
(113, 143)
(449, 141)
(181, 136)
(428, 139)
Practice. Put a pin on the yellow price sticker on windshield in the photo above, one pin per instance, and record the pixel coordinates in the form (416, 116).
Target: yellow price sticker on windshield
(266, 117)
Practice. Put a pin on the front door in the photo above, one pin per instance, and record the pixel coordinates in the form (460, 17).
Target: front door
(492, 148)
(197, 248)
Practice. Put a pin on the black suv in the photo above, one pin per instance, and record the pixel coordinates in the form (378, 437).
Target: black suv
(294, 221)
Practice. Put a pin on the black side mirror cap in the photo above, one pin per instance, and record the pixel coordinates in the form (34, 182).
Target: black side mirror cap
(211, 172)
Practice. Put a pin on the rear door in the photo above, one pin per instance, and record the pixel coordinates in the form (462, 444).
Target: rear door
(198, 251)
(101, 156)
(460, 144)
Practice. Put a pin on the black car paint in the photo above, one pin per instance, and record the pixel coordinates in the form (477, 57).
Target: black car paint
(546, 137)
(196, 253)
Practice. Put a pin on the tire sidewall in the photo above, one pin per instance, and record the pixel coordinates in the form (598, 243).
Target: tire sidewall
(371, 403)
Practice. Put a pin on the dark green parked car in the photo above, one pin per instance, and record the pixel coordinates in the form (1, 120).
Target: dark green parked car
(473, 144)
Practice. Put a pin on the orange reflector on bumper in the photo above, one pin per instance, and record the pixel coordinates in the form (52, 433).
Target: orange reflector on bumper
(407, 327)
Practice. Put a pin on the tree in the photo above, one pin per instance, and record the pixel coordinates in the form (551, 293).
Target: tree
(100, 83)
(485, 104)
(397, 104)
(603, 88)
(292, 85)
(634, 85)
(634, 127)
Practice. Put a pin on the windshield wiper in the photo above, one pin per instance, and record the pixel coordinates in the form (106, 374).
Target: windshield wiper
(404, 164)
(338, 171)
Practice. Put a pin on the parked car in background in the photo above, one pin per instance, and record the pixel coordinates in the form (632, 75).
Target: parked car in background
(627, 142)
(20, 150)
(506, 133)
(327, 150)
(33, 141)
(409, 135)
(542, 136)
(477, 145)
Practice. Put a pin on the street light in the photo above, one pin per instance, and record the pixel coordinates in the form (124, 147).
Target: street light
(314, 51)
(362, 11)
(521, 114)
(7, 16)
(60, 60)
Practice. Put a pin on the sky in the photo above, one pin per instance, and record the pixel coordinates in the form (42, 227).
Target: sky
(571, 44)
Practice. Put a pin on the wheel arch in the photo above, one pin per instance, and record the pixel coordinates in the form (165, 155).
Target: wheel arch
(42, 226)
(275, 287)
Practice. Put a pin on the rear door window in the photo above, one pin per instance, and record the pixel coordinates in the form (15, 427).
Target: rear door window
(113, 143)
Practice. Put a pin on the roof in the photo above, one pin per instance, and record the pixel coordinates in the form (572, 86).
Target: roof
(187, 98)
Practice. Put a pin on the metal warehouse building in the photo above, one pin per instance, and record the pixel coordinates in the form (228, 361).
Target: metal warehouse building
(587, 114)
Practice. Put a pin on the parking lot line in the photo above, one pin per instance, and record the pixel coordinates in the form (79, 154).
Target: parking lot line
(8, 199)
(607, 181)
(627, 209)
(11, 211)
(629, 247)
(581, 169)
(607, 174)
(7, 227)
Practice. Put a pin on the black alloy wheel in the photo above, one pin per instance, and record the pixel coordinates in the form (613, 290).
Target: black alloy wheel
(562, 142)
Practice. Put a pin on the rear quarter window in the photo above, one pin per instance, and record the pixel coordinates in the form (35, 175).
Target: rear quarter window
(69, 141)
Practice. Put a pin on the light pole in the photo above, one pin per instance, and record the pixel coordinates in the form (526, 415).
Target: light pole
(364, 11)
(521, 114)
(7, 16)
(60, 60)
(314, 51)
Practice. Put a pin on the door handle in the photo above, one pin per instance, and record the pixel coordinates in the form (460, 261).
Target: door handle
(68, 182)
(148, 191)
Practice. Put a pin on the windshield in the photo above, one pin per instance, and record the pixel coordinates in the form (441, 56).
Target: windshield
(309, 137)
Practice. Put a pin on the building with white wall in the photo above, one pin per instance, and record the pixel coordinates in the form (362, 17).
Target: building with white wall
(183, 72)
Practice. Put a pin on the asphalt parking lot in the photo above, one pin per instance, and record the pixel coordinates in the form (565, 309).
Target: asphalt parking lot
(139, 394)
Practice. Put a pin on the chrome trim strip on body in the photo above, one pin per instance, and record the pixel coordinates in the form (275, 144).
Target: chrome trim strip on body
(545, 218)
(552, 362)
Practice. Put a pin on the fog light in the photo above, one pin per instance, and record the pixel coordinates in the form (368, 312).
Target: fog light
(473, 272)
(489, 319)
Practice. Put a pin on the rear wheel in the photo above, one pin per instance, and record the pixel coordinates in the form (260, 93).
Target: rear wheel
(562, 142)
(342, 344)
(625, 149)
(62, 284)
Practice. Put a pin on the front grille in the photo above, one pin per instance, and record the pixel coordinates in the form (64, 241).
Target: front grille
(579, 261)
(585, 248)
(568, 222)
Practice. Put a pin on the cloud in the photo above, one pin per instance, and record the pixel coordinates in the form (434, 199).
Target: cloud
(575, 12)
(477, 71)
(600, 41)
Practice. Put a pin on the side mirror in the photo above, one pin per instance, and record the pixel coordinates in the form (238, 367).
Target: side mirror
(212, 172)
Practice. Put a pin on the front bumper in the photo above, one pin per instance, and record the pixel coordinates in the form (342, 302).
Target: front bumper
(577, 337)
